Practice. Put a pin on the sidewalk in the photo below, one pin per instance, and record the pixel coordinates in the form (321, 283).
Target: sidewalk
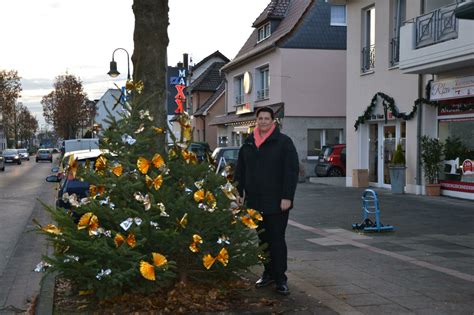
(426, 266)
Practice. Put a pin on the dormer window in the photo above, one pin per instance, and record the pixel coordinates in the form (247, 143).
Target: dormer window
(264, 32)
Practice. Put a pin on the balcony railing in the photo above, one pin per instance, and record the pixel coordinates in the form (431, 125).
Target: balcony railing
(368, 58)
(263, 94)
(239, 99)
(437, 26)
(394, 51)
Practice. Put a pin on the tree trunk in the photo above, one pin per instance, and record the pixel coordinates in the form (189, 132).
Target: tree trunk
(149, 58)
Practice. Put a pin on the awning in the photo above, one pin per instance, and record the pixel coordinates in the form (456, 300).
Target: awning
(245, 119)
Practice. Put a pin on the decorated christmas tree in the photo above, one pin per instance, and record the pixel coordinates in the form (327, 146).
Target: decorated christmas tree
(150, 220)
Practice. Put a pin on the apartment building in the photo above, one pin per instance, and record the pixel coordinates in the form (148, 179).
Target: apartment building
(401, 56)
(293, 62)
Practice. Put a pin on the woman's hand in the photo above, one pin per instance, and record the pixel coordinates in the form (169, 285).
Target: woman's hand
(285, 204)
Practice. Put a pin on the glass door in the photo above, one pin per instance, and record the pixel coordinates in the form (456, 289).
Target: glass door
(373, 153)
(389, 146)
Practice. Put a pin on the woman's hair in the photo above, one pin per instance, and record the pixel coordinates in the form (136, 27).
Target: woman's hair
(265, 109)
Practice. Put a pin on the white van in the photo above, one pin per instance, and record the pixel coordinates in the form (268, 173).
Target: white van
(81, 144)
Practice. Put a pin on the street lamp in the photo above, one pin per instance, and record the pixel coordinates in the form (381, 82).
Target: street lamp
(113, 65)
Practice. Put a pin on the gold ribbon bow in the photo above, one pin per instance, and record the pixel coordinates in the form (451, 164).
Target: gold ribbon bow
(147, 270)
(250, 216)
(156, 183)
(194, 245)
(119, 239)
(117, 170)
(189, 157)
(100, 164)
(222, 257)
(144, 164)
(90, 221)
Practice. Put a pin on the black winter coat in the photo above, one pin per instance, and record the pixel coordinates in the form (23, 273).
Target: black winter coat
(267, 174)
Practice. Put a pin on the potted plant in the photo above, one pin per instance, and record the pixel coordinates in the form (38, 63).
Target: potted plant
(397, 171)
(431, 159)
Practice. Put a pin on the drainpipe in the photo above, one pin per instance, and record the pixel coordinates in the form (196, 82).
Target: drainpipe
(419, 129)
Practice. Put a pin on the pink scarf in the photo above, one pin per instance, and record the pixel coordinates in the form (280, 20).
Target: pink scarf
(261, 139)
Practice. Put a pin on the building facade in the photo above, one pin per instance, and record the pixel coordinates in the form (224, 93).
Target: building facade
(401, 56)
(293, 62)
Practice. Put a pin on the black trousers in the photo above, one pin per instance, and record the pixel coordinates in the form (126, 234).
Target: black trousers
(272, 232)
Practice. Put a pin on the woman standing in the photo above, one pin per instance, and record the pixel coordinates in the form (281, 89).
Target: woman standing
(267, 174)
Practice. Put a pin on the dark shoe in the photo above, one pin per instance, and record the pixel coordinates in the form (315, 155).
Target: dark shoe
(263, 282)
(283, 289)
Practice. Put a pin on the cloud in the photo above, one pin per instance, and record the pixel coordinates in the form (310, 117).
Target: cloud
(36, 83)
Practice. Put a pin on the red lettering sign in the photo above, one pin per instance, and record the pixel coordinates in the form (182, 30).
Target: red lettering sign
(179, 98)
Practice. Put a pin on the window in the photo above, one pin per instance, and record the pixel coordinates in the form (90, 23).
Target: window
(398, 16)
(320, 138)
(239, 90)
(263, 91)
(431, 5)
(368, 39)
(338, 15)
(263, 32)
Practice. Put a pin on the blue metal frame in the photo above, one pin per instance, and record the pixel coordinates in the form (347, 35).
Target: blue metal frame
(370, 206)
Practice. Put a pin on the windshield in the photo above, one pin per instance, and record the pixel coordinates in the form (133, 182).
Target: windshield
(327, 152)
(22, 150)
(10, 152)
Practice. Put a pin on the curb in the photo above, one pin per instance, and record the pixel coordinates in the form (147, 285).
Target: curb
(46, 295)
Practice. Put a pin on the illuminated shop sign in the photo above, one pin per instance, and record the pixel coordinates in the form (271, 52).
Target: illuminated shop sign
(450, 89)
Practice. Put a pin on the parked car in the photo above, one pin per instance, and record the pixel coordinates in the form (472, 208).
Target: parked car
(12, 156)
(333, 161)
(68, 184)
(225, 156)
(201, 149)
(2, 163)
(44, 155)
(24, 155)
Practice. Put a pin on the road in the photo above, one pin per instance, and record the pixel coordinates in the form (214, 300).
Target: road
(21, 186)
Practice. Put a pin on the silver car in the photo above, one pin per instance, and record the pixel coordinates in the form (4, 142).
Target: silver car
(12, 156)
(24, 155)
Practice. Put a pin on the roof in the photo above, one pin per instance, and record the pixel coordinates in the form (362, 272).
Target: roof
(315, 30)
(209, 80)
(202, 111)
(294, 13)
(277, 108)
(276, 9)
(216, 54)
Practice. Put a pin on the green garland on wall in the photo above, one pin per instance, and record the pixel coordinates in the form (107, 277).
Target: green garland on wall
(388, 104)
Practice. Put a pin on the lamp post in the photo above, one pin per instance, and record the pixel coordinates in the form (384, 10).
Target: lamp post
(113, 65)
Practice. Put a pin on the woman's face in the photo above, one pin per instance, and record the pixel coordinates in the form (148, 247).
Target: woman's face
(264, 121)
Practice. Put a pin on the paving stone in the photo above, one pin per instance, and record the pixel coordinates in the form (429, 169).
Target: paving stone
(387, 309)
(365, 299)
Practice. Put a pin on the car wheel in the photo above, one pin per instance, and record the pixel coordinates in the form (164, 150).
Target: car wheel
(335, 172)
(3, 168)
(19, 163)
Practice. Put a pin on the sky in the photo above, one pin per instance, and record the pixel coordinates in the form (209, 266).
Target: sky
(42, 39)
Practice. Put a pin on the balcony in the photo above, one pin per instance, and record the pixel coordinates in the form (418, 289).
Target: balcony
(263, 94)
(394, 51)
(436, 42)
(368, 59)
(239, 99)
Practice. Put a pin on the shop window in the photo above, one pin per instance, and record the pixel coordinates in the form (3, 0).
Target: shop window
(458, 137)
